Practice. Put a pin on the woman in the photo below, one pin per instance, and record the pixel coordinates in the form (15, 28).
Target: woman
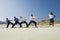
(51, 17)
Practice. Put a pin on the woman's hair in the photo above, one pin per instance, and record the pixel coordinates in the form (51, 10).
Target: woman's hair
(31, 14)
(51, 13)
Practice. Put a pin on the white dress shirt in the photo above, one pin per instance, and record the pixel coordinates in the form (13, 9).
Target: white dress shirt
(32, 18)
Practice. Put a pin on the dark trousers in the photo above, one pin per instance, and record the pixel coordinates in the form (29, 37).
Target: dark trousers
(33, 22)
(9, 24)
(51, 22)
(15, 24)
(25, 23)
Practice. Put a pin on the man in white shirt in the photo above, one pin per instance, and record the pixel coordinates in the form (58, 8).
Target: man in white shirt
(51, 17)
(8, 22)
(23, 20)
(16, 22)
(32, 18)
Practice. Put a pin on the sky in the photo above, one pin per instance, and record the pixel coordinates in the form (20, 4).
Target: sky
(40, 8)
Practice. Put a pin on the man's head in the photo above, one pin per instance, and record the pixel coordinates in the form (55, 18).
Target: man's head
(31, 14)
(14, 16)
(20, 16)
(7, 18)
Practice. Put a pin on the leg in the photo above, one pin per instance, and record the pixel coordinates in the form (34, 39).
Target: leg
(22, 23)
(29, 23)
(14, 24)
(50, 22)
(26, 24)
(35, 23)
(7, 25)
(19, 24)
(53, 22)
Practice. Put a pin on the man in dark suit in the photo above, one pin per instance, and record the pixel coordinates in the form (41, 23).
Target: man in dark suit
(8, 22)
(16, 22)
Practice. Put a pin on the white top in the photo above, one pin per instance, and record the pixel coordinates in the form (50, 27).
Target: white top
(22, 19)
(32, 18)
(51, 16)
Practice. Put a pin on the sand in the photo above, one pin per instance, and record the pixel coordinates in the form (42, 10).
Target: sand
(48, 33)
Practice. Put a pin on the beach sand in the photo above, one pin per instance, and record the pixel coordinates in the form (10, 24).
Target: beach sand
(40, 33)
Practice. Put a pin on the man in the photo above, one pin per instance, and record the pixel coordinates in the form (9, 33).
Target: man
(23, 20)
(16, 22)
(32, 20)
(51, 17)
(8, 22)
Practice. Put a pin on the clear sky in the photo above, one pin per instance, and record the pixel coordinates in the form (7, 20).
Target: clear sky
(40, 8)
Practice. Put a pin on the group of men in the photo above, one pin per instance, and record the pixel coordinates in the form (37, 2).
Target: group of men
(23, 20)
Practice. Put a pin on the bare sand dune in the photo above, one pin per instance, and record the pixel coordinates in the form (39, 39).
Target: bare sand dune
(49, 33)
